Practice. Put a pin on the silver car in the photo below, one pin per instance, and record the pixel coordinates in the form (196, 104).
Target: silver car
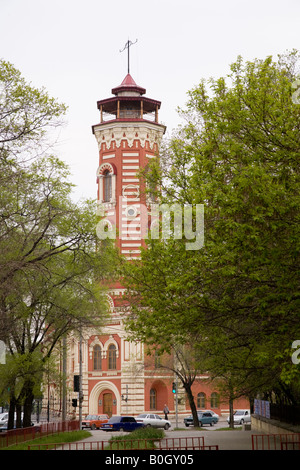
(3, 421)
(241, 416)
(153, 420)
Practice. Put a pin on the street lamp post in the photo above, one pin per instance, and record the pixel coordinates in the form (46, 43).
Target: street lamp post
(176, 401)
(80, 381)
(64, 385)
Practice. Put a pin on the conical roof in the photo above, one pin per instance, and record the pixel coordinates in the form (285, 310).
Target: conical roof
(128, 84)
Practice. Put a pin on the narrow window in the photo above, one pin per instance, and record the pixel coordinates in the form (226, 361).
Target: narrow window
(201, 400)
(112, 357)
(97, 357)
(157, 360)
(107, 186)
(214, 400)
(152, 399)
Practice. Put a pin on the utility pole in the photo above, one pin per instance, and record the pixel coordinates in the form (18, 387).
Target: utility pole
(64, 385)
(176, 401)
(80, 381)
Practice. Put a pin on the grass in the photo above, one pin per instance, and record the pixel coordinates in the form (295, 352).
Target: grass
(71, 436)
(139, 439)
(236, 428)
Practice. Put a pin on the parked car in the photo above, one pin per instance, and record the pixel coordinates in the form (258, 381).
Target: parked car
(121, 423)
(204, 417)
(94, 421)
(153, 420)
(240, 417)
(212, 412)
(4, 421)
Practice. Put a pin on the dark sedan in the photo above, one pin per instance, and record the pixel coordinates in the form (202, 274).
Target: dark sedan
(204, 417)
(121, 423)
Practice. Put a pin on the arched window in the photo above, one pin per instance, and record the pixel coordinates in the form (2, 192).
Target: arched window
(107, 186)
(214, 400)
(112, 357)
(152, 399)
(201, 400)
(106, 177)
(97, 357)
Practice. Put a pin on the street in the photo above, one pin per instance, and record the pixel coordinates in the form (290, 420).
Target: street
(226, 440)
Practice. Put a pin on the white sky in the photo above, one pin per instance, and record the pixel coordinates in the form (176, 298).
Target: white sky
(71, 48)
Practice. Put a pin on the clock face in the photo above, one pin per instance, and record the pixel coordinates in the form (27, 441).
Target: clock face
(131, 212)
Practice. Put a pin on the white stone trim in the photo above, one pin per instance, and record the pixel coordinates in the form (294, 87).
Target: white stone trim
(94, 395)
(120, 131)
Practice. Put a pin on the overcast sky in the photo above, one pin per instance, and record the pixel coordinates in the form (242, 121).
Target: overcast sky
(72, 48)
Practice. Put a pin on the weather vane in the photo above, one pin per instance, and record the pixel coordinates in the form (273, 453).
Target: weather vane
(127, 46)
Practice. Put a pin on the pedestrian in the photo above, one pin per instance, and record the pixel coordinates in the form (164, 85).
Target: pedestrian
(166, 411)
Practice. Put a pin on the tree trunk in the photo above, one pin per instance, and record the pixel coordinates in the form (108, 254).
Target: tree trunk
(19, 416)
(11, 413)
(28, 396)
(193, 407)
(28, 409)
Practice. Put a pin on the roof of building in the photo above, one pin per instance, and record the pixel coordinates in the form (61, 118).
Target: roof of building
(128, 84)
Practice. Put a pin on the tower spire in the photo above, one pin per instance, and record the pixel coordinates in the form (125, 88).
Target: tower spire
(127, 46)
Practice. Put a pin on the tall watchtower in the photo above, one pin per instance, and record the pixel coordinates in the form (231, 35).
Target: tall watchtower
(128, 135)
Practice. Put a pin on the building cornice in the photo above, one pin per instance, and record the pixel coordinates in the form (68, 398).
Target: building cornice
(118, 131)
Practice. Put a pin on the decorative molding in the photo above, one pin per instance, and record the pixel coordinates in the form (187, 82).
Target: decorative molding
(106, 166)
(118, 132)
(93, 344)
(110, 302)
(110, 341)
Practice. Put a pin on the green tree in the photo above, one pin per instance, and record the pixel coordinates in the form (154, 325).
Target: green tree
(51, 261)
(26, 115)
(50, 269)
(238, 155)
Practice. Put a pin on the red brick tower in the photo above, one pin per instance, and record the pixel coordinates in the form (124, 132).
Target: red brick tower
(128, 135)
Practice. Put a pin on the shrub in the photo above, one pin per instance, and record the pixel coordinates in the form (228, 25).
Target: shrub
(143, 438)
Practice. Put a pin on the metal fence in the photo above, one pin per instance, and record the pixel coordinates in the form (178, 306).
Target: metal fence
(276, 441)
(18, 436)
(181, 443)
(285, 413)
(292, 445)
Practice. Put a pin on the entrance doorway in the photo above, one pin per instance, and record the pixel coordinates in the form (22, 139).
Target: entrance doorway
(107, 403)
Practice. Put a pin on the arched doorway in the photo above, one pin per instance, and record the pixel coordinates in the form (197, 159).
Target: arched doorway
(105, 396)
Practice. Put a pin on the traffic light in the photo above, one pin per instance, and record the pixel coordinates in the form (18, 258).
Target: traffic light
(76, 383)
(74, 402)
(174, 387)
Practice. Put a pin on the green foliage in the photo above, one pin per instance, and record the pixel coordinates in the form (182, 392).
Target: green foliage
(26, 113)
(238, 154)
(141, 438)
(51, 260)
(48, 442)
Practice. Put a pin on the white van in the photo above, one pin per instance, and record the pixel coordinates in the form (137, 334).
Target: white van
(241, 416)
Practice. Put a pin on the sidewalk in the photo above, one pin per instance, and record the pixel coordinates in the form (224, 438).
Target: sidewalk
(226, 440)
